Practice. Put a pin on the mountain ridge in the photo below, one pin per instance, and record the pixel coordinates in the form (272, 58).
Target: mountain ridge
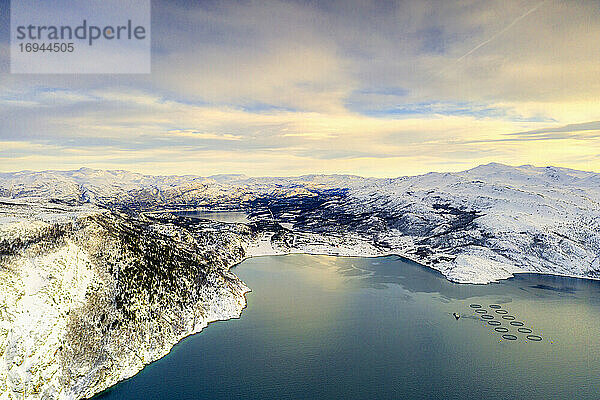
(476, 214)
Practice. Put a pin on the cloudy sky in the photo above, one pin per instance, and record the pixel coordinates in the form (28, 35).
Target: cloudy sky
(377, 88)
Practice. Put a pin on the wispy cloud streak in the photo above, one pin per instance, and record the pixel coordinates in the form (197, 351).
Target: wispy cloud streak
(513, 23)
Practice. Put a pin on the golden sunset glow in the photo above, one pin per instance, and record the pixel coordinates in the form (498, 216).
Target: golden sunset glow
(415, 87)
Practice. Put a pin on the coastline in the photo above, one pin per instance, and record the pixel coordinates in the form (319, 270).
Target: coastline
(86, 228)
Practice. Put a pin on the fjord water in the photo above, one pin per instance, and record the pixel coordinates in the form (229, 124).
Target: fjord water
(365, 328)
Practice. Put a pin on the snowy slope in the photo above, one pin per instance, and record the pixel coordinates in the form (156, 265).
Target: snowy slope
(90, 297)
(489, 222)
(474, 226)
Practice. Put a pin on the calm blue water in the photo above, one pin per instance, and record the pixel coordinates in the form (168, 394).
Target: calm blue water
(382, 328)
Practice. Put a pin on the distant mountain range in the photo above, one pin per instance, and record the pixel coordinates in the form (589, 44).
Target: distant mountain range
(474, 226)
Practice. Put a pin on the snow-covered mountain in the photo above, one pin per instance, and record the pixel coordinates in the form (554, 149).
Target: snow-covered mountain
(101, 277)
(90, 296)
(474, 226)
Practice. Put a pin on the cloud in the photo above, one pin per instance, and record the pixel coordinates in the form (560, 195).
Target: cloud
(505, 29)
(121, 130)
(593, 126)
(278, 87)
(192, 133)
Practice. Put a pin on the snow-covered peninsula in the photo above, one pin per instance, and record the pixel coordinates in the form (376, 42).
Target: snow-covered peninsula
(100, 277)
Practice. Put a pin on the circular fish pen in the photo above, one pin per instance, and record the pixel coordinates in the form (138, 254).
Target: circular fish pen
(534, 338)
(516, 323)
(475, 305)
(501, 312)
(524, 330)
(495, 306)
(508, 317)
(487, 316)
(494, 323)
(481, 311)
(508, 336)
(501, 329)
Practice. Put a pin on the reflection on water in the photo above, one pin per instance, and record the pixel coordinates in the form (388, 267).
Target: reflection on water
(339, 327)
(239, 217)
(564, 289)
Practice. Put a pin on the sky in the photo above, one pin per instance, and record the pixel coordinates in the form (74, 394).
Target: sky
(373, 88)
